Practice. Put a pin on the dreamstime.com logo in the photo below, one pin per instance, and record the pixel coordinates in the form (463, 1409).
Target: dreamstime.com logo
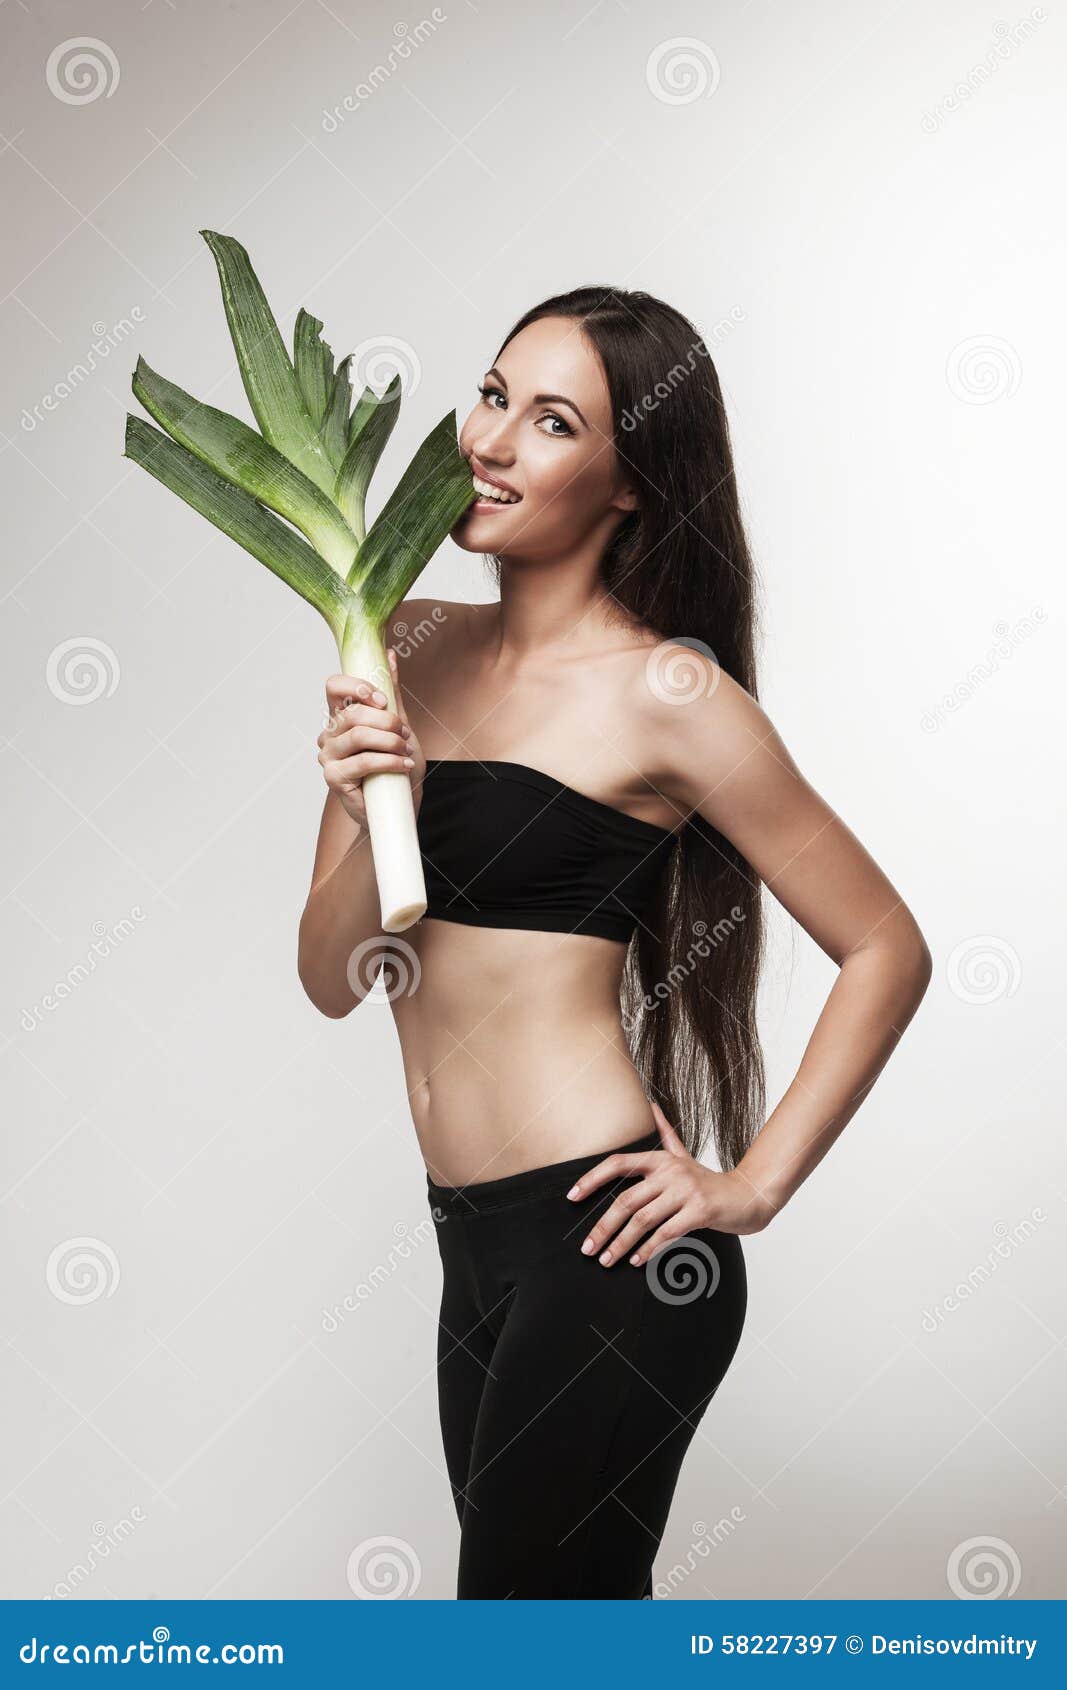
(407, 1241)
(378, 359)
(1008, 37)
(1009, 1239)
(156, 1651)
(82, 1270)
(683, 1271)
(701, 947)
(682, 670)
(407, 639)
(107, 940)
(983, 969)
(81, 70)
(682, 70)
(407, 40)
(703, 1542)
(81, 670)
(383, 1569)
(983, 1569)
(679, 373)
(100, 348)
(398, 976)
(1008, 637)
(982, 369)
(106, 1540)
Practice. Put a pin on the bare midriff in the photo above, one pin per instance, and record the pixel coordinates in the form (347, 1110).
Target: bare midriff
(513, 1047)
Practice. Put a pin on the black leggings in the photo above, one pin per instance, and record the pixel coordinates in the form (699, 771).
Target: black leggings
(570, 1392)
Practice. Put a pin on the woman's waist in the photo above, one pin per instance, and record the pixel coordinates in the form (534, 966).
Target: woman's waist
(481, 1113)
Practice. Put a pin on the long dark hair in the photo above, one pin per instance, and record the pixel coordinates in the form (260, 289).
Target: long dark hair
(681, 564)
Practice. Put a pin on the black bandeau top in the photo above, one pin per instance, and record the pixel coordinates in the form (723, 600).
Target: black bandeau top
(505, 845)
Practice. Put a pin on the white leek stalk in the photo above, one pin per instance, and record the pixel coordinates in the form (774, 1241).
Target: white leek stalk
(311, 464)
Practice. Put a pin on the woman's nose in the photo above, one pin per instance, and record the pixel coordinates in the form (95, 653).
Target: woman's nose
(494, 448)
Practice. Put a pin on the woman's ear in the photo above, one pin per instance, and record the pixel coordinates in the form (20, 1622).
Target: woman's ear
(626, 500)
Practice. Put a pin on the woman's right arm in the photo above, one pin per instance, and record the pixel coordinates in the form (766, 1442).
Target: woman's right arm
(343, 910)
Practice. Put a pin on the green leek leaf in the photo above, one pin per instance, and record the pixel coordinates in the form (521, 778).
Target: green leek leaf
(334, 430)
(268, 375)
(314, 364)
(376, 418)
(434, 491)
(243, 457)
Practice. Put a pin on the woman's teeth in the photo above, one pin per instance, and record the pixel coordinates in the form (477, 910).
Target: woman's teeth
(488, 491)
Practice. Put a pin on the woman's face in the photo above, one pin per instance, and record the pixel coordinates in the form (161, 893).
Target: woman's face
(542, 426)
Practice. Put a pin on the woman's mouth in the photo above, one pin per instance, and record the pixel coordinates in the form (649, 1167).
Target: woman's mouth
(491, 498)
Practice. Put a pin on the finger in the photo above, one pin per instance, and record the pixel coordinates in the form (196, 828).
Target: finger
(347, 771)
(617, 1214)
(648, 1216)
(394, 665)
(665, 1234)
(342, 689)
(359, 739)
(670, 1138)
(351, 716)
(616, 1166)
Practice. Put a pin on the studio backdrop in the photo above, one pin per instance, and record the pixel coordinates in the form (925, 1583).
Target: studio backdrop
(220, 1278)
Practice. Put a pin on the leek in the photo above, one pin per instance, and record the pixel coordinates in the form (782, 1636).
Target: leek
(309, 465)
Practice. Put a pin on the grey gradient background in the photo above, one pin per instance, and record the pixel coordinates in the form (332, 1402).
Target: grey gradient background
(855, 205)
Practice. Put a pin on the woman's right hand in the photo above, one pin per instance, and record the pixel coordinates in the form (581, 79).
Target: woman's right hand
(364, 737)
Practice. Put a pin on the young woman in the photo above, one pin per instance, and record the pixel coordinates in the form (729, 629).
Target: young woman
(599, 799)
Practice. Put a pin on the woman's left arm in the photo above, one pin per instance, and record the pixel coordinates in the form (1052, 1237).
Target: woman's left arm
(722, 757)
(727, 761)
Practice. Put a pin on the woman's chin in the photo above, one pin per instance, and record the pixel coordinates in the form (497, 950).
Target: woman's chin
(476, 531)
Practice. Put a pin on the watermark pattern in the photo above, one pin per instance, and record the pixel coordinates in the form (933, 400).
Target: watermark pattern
(698, 951)
(105, 339)
(383, 1568)
(678, 372)
(81, 70)
(82, 1270)
(105, 1540)
(107, 939)
(1009, 1239)
(982, 369)
(81, 670)
(407, 40)
(982, 1569)
(702, 1544)
(1008, 637)
(1009, 36)
(682, 70)
(407, 639)
(681, 676)
(983, 969)
(377, 360)
(397, 958)
(683, 1270)
(407, 1242)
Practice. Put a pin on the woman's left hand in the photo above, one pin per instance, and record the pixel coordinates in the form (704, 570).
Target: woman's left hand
(676, 1196)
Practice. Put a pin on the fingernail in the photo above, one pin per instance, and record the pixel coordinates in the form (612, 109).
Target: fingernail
(635, 1261)
(605, 1258)
(409, 762)
(379, 697)
(587, 1247)
(573, 1192)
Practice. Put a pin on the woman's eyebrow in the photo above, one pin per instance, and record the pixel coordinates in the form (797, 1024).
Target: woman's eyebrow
(542, 398)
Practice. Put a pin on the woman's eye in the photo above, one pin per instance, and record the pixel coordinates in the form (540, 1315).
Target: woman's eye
(491, 393)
